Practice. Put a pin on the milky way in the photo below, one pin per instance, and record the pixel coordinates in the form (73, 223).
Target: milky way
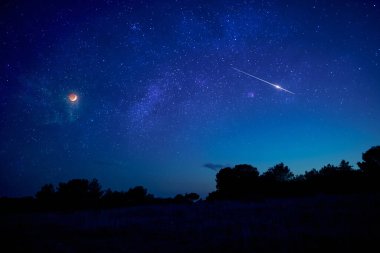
(157, 98)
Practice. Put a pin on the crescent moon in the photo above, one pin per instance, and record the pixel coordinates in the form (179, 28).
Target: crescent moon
(73, 97)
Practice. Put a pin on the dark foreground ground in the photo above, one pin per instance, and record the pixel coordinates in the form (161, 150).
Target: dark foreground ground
(313, 224)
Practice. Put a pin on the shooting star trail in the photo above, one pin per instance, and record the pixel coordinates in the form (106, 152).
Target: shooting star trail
(272, 84)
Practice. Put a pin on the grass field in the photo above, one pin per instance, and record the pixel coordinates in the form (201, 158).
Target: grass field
(313, 224)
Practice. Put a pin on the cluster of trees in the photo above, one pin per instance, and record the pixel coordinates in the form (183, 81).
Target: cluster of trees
(244, 181)
(82, 193)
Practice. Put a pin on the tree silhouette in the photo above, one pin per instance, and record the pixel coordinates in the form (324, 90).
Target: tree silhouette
(114, 199)
(134, 196)
(223, 179)
(95, 189)
(371, 161)
(311, 175)
(276, 181)
(345, 166)
(370, 169)
(331, 179)
(328, 170)
(48, 198)
(278, 173)
(46, 194)
(138, 194)
(329, 176)
(238, 182)
(79, 193)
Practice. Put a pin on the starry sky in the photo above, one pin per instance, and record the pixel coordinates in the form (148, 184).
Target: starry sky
(158, 102)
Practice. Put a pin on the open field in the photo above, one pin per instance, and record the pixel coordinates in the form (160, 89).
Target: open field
(313, 224)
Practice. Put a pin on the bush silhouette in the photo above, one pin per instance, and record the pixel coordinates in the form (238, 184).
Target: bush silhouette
(187, 198)
(192, 196)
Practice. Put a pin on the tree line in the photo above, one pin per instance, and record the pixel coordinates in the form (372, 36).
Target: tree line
(83, 194)
(241, 182)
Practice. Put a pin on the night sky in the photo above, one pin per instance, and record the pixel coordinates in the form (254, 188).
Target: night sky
(157, 103)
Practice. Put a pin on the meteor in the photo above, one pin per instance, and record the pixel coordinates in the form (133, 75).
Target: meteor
(262, 80)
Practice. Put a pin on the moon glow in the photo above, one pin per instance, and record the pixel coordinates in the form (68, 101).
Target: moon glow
(73, 97)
